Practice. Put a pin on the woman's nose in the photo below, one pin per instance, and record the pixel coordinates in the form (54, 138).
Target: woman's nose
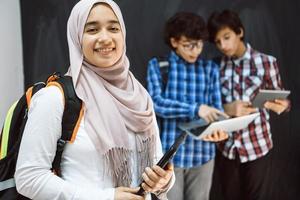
(103, 37)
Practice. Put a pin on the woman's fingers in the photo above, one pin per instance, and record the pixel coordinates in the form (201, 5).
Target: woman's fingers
(151, 174)
(156, 178)
(148, 181)
(160, 172)
(122, 193)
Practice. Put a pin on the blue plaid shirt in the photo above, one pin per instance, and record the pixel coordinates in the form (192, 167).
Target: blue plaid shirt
(188, 86)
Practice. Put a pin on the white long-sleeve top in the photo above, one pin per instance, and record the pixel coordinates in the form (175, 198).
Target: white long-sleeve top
(82, 168)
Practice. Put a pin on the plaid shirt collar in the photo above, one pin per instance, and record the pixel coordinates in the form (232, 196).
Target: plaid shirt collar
(178, 59)
(246, 56)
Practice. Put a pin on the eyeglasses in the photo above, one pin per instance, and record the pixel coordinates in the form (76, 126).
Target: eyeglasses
(191, 45)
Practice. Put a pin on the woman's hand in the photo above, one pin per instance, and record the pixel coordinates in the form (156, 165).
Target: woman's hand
(156, 178)
(125, 193)
(216, 136)
(277, 106)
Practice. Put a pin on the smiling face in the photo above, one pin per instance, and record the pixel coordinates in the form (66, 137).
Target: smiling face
(230, 43)
(186, 48)
(102, 41)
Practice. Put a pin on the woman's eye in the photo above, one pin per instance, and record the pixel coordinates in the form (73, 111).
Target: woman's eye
(114, 29)
(91, 30)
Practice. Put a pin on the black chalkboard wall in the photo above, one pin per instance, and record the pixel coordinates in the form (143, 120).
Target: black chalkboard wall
(271, 27)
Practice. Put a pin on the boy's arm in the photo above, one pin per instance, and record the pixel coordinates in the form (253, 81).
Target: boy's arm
(272, 77)
(164, 107)
(273, 81)
(216, 88)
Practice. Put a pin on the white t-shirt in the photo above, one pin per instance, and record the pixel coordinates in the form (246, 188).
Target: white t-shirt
(82, 169)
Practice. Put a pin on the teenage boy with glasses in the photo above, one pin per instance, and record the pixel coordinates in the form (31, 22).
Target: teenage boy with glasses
(244, 160)
(192, 91)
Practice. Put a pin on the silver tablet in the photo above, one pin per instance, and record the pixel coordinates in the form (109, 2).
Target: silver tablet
(269, 95)
(199, 128)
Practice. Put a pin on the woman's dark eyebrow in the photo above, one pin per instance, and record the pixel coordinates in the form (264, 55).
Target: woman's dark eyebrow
(90, 23)
(94, 22)
(113, 22)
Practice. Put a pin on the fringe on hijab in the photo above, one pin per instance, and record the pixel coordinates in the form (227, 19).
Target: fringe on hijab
(118, 161)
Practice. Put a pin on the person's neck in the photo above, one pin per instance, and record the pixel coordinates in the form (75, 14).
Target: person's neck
(240, 50)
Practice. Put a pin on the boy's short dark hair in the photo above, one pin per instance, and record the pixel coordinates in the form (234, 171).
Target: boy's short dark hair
(220, 20)
(185, 24)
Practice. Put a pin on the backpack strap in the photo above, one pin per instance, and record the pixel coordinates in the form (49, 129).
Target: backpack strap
(163, 64)
(15, 121)
(32, 90)
(72, 115)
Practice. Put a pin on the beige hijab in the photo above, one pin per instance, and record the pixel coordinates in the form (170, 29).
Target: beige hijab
(114, 100)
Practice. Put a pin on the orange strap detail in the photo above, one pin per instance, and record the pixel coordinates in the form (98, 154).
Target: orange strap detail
(80, 114)
(51, 78)
(28, 96)
(77, 124)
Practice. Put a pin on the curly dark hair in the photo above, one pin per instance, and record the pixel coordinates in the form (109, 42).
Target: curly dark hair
(220, 20)
(185, 24)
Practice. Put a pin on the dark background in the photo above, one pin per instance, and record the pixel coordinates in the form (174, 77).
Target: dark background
(271, 27)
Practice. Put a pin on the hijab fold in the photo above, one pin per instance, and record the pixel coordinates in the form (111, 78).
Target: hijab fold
(114, 101)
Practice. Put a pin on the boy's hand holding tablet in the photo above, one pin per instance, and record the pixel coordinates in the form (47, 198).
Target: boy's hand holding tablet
(274, 100)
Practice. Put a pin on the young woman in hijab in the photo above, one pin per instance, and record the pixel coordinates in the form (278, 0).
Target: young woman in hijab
(117, 142)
